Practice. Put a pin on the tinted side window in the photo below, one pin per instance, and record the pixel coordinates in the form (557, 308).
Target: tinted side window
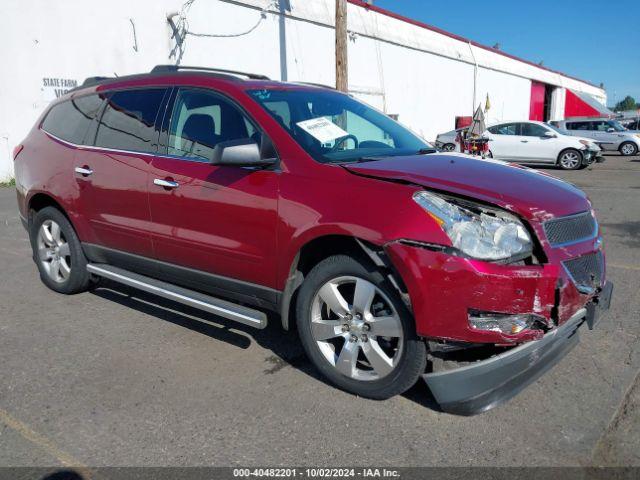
(128, 120)
(70, 120)
(505, 129)
(579, 126)
(532, 130)
(201, 119)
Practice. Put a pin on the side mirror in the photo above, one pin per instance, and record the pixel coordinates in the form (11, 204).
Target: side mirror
(244, 152)
(610, 130)
(548, 134)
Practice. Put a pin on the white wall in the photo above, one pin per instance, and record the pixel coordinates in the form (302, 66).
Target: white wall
(422, 75)
(509, 96)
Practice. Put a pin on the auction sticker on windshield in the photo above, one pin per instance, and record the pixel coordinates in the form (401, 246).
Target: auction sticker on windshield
(322, 129)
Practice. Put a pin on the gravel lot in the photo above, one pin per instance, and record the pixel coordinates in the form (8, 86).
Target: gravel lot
(116, 377)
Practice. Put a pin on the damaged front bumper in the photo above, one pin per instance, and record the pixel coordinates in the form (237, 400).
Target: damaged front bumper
(485, 384)
(591, 155)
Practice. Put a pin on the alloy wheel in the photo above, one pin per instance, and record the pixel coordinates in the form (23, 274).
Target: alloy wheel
(627, 149)
(54, 253)
(356, 328)
(570, 160)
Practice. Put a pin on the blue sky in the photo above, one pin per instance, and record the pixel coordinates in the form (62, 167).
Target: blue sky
(596, 41)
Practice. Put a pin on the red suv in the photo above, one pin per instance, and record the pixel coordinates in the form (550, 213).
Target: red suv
(239, 195)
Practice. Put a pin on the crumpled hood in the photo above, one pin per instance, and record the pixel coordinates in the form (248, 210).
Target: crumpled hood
(532, 194)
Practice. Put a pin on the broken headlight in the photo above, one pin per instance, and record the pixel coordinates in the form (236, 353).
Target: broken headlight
(476, 230)
(505, 322)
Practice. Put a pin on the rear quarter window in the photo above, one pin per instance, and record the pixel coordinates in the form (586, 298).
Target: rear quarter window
(70, 120)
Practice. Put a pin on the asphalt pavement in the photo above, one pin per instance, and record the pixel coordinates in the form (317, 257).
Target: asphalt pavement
(119, 378)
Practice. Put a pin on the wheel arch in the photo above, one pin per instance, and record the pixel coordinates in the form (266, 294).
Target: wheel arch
(564, 150)
(628, 142)
(324, 246)
(40, 200)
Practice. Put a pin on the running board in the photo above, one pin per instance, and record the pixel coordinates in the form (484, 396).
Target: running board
(201, 301)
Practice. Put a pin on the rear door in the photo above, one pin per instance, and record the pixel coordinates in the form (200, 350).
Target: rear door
(536, 146)
(583, 128)
(214, 226)
(69, 122)
(112, 174)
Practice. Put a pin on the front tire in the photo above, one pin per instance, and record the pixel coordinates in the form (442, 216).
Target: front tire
(58, 253)
(628, 149)
(356, 330)
(570, 159)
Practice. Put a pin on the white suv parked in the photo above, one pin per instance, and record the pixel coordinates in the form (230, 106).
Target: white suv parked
(540, 143)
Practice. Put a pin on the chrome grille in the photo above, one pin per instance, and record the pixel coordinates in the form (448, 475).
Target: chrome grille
(586, 271)
(571, 229)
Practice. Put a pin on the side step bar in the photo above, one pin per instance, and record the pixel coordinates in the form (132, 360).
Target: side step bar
(222, 308)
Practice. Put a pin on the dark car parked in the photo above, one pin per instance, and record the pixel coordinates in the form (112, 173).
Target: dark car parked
(239, 195)
(633, 124)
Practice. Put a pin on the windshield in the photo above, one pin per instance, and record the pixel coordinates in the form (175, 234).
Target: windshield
(334, 127)
(617, 126)
(559, 130)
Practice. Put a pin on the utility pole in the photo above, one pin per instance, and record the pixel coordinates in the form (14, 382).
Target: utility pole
(342, 70)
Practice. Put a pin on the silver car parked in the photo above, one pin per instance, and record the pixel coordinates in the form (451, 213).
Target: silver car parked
(447, 141)
(608, 134)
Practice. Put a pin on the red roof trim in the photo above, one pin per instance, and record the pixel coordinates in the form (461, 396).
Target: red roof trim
(388, 13)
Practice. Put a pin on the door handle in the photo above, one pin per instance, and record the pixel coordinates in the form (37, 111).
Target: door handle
(84, 171)
(524, 141)
(165, 183)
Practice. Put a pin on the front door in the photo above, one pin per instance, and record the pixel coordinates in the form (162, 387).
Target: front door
(216, 222)
(536, 146)
(112, 172)
(505, 142)
(608, 140)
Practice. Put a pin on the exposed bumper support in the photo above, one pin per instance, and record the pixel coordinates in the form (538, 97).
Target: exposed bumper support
(483, 385)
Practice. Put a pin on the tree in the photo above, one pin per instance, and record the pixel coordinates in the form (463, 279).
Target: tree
(629, 103)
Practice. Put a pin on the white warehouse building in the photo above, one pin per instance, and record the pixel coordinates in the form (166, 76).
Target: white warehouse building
(424, 75)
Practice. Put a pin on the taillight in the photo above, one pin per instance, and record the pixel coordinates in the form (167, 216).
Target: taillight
(16, 150)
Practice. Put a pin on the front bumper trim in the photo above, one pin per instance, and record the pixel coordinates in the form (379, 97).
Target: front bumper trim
(483, 385)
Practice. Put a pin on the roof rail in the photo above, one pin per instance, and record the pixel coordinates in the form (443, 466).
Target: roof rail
(90, 82)
(315, 84)
(93, 81)
(177, 68)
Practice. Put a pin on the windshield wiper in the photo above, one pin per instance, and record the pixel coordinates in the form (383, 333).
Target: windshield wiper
(368, 159)
(426, 150)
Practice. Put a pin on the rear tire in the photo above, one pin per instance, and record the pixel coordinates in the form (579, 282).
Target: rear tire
(570, 159)
(343, 345)
(628, 149)
(58, 253)
(449, 147)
